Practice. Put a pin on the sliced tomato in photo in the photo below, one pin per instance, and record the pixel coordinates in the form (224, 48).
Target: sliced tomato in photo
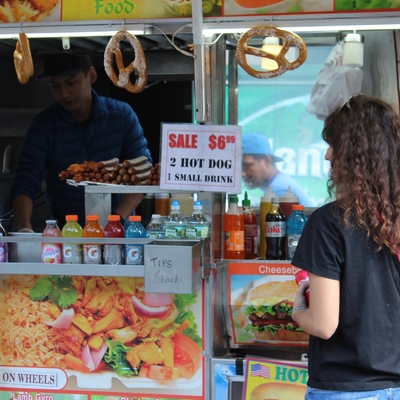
(187, 355)
(256, 3)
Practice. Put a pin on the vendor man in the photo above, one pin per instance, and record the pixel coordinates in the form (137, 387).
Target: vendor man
(80, 126)
(259, 169)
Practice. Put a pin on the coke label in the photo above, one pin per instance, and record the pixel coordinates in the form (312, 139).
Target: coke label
(275, 228)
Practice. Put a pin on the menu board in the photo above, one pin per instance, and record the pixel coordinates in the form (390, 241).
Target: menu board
(12, 11)
(98, 337)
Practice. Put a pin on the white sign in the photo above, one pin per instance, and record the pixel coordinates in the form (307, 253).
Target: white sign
(32, 377)
(201, 157)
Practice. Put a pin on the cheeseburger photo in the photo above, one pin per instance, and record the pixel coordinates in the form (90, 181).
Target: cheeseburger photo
(269, 309)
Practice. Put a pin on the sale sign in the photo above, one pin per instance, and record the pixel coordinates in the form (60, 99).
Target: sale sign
(201, 157)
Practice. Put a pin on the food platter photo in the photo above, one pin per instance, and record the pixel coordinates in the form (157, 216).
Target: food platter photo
(261, 311)
(12, 11)
(104, 332)
(243, 7)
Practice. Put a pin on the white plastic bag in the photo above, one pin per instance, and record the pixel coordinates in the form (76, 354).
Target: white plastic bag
(335, 84)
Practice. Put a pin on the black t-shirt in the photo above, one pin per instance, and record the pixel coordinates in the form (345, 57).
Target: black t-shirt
(364, 352)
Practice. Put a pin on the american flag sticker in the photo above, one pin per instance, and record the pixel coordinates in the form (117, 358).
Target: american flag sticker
(261, 370)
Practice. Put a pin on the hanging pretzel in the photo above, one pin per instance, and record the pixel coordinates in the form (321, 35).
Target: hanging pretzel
(283, 64)
(23, 59)
(122, 80)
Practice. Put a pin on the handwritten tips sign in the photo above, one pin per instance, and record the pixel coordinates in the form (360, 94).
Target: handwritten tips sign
(172, 266)
(201, 157)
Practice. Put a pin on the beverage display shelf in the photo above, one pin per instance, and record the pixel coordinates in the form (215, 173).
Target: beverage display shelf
(22, 268)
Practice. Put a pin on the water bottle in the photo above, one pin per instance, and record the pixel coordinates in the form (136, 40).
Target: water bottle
(175, 224)
(296, 223)
(198, 225)
(134, 251)
(155, 229)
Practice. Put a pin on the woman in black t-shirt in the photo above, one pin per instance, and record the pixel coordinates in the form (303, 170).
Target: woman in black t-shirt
(349, 247)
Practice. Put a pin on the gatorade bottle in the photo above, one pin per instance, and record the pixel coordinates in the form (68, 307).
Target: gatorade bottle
(92, 253)
(51, 252)
(175, 224)
(72, 252)
(296, 223)
(3, 245)
(113, 254)
(265, 206)
(134, 251)
(250, 230)
(286, 201)
(275, 232)
(198, 225)
(155, 229)
(234, 231)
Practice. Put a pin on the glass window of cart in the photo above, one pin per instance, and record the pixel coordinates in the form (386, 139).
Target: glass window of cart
(276, 108)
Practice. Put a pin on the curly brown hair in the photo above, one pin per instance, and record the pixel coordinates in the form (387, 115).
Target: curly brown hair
(364, 136)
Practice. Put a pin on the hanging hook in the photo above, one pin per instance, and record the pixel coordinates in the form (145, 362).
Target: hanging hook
(20, 27)
(123, 24)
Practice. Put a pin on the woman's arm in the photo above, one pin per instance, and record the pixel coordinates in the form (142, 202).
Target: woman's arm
(321, 318)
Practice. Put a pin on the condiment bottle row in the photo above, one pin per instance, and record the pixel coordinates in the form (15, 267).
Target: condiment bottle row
(282, 220)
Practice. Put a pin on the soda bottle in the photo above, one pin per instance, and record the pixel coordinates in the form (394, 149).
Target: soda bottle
(250, 230)
(198, 225)
(275, 233)
(92, 253)
(113, 254)
(175, 224)
(134, 251)
(265, 206)
(295, 225)
(234, 231)
(155, 229)
(3, 245)
(51, 252)
(72, 252)
(300, 276)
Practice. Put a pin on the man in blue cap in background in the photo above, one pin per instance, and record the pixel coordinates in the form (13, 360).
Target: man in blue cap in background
(259, 169)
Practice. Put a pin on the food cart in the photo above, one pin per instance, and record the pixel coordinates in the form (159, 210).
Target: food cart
(207, 293)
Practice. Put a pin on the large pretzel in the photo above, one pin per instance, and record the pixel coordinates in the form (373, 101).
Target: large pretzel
(23, 59)
(122, 80)
(283, 64)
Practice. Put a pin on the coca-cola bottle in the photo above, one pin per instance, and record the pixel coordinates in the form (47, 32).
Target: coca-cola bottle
(275, 232)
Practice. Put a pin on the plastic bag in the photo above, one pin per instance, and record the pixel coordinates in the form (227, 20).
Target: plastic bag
(335, 84)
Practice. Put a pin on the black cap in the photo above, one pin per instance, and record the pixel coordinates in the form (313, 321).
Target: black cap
(65, 64)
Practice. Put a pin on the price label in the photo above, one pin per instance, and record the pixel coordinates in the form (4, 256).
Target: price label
(201, 157)
(220, 142)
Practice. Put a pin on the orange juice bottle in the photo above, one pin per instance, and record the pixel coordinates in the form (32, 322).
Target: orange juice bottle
(92, 253)
(234, 231)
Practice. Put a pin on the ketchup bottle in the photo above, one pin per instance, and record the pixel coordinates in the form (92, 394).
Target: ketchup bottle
(300, 277)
